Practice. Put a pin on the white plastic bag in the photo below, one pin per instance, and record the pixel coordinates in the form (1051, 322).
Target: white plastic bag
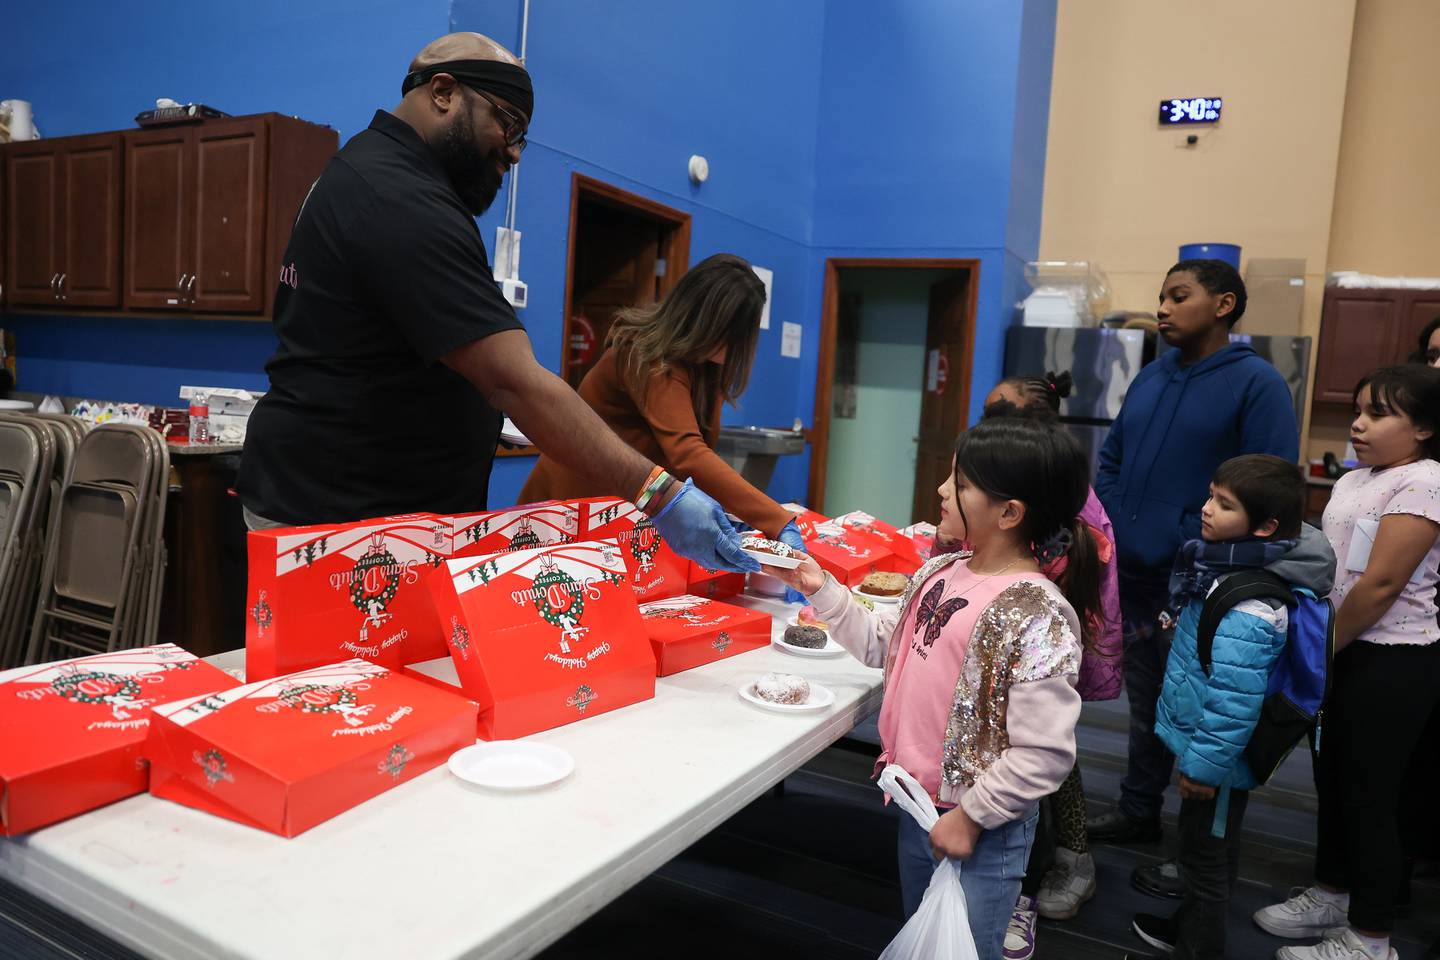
(940, 928)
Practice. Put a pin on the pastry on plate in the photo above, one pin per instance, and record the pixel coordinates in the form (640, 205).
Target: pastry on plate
(811, 638)
(761, 545)
(884, 584)
(782, 688)
(807, 617)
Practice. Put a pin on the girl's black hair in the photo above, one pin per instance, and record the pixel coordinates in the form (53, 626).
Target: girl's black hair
(1042, 396)
(1419, 356)
(1413, 390)
(1217, 277)
(1042, 466)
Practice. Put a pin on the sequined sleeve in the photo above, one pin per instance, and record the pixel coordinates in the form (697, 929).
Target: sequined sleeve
(1048, 647)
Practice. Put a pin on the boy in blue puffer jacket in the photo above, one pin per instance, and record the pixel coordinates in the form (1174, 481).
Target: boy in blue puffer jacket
(1252, 520)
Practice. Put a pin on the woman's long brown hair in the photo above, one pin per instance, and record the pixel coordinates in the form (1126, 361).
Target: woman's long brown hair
(718, 302)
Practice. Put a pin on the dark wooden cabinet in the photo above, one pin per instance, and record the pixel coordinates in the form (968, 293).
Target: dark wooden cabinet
(189, 219)
(158, 179)
(1362, 330)
(90, 222)
(62, 225)
(229, 216)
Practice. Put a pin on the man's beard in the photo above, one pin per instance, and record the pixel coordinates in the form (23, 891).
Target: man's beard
(471, 172)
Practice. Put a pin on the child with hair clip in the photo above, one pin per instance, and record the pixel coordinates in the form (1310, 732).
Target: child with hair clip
(981, 657)
(1383, 521)
(1060, 877)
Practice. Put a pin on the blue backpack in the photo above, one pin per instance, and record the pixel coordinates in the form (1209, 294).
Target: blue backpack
(1300, 682)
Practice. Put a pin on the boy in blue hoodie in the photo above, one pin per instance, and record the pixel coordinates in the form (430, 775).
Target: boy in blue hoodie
(1206, 717)
(1199, 404)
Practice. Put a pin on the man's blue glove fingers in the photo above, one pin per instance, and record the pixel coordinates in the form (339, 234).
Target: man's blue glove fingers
(696, 528)
(790, 536)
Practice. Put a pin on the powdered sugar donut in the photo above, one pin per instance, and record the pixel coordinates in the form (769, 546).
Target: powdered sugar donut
(782, 688)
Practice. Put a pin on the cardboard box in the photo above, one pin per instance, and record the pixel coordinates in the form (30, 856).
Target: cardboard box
(544, 637)
(321, 594)
(922, 535)
(287, 753)
(806, 519)
(846, 554)
(689, 631)
(714, 584)
(74, 731)
(519, 528)
(905, 555)
(653, 570)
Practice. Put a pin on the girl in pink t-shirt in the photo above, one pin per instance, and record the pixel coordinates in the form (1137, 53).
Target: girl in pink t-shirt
(1383, 522)
(981, 657)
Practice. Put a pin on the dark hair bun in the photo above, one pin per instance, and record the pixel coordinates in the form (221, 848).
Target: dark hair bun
(1062, 383)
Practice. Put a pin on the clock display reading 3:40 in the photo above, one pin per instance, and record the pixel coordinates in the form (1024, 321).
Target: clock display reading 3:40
(1193, 110)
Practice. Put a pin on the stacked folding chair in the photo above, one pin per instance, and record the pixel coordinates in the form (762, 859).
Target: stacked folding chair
(27, 460)
(104, 562)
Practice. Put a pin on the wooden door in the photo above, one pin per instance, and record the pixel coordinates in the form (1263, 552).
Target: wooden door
(229, 216)
(945, 400)
(32, 226)
(1358, 333)
(1417, 308)
(90, 221)
(615, 258)
(159, 174)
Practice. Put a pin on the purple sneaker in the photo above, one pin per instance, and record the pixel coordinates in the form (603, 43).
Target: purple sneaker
(1020, 935)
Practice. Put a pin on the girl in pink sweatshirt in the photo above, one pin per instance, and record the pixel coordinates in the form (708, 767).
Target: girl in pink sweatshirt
(981, 657)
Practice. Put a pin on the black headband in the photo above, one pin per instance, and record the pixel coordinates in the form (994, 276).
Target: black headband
(505, 80)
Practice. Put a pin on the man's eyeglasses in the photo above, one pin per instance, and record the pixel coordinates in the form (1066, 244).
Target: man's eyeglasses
(512, 125)
(1432, 355)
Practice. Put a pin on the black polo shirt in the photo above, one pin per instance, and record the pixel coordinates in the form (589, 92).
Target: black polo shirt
(385, 273)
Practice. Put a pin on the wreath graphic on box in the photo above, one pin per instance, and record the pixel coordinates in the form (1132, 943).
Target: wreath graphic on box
(375, 579)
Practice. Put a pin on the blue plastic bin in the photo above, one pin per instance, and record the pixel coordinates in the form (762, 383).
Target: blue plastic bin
(1229, 252)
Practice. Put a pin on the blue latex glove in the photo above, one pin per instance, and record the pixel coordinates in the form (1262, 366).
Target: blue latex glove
(790, 536)
(697, 529)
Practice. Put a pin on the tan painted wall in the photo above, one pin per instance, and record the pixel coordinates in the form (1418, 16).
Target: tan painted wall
(1387, 192)
(1124, 192)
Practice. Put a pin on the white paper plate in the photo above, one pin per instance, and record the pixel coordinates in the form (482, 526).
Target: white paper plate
(874, 599)
(771, 560)
(820, 698)
(831, 649)
(511, 764)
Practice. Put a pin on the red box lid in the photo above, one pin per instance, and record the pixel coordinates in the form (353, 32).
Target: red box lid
(690, 631)
(324, 593)
(286, 753)
(74, 730)
(518, 528)
(544, 637)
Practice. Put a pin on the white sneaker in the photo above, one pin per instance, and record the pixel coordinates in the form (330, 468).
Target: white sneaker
(1068, 884)
(1020, 933)
(1305, 914)
(1347, 946)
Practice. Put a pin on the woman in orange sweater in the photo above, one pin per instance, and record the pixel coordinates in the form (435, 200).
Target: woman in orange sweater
(666, 370)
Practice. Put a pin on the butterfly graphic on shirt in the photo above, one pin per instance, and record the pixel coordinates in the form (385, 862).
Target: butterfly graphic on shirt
(933, 615)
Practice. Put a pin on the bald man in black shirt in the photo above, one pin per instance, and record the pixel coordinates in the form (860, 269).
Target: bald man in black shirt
(396, 347)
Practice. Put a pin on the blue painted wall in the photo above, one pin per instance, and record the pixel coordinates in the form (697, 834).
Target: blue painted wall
(838, 128)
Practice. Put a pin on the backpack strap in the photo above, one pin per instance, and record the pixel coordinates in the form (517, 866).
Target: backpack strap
(1233, 590)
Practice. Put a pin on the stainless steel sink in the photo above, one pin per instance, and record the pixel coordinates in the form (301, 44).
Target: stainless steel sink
(753, 451)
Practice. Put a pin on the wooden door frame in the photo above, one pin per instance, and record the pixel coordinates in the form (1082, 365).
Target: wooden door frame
(677, 251)
(829, 324)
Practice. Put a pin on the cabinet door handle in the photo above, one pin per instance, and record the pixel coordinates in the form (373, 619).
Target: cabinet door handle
(61, 286)
(190, 287)
(54, 279)
(180, 284)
